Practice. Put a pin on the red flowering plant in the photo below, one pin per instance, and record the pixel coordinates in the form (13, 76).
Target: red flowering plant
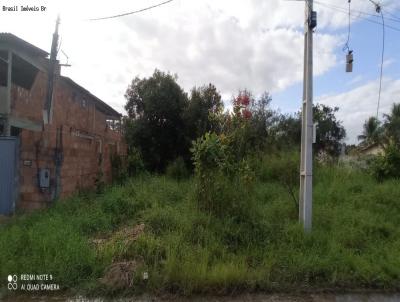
(242, 104)
(221, 162)
(240, 126)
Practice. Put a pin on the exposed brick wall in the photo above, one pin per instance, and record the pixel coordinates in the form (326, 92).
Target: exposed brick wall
(25, 103)
(85, 139)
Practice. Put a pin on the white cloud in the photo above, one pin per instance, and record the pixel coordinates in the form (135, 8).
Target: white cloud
(388, 62)
(355, 80)
(255, 44)
(360, 103)
(252, 44)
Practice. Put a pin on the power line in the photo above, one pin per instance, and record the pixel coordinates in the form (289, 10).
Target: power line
(383, 53)
(393, 16)
(357, 16)
(346, 46)
(378, 10)
(394, 19)
(131, 13)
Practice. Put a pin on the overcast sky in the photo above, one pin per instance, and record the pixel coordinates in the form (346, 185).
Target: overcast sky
(253, 44)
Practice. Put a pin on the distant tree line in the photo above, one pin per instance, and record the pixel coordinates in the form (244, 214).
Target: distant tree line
(382, 132)
(163, 121)
(385, 134)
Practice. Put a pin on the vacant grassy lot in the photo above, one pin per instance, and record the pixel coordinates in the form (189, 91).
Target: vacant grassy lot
(355, 242)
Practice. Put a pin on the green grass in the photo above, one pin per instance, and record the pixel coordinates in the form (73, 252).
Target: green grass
(355, 241)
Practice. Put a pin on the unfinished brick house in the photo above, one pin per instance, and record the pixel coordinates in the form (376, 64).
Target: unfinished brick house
(50, 147)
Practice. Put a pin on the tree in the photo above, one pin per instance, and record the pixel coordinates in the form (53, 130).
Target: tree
(155, 106)
(262, 116)
(330, 131)
(371, 131)
(203, 112)
(392, 124)
(387, 165)
(257, 112)
(242, 105)
(286, 130)
(247, 124)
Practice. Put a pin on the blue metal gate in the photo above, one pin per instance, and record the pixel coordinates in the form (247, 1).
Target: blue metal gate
(8, 174)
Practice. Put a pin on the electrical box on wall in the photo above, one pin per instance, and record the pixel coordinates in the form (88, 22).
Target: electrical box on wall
(44, 178)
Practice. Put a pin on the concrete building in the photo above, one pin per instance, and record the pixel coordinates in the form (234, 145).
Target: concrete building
(371, 149)
(49, 150)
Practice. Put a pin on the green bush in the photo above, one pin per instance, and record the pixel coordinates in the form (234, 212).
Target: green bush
(134, 163)
(209, 153)
(177, 169)
(283, 168)
(387, 165)
(118, 169)
(223, 185)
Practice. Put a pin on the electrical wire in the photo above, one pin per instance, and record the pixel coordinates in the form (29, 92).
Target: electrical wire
(64, 54)
(131, 13)
(394, 19)
(379, 10)
(357, 16)
(393, 16)
(346, 46)
(382, 57)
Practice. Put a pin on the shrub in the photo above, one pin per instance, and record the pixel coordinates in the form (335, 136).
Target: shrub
(99, 182)
(223, 185)
(283, 168)
(134, 163)
(387, 165)
(118, 169)
(209, 152)
(177, 169)
(208, 156)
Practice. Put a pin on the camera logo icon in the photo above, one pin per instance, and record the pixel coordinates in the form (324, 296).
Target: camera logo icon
(12, 282)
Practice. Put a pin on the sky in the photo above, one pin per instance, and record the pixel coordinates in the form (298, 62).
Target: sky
(247, 44)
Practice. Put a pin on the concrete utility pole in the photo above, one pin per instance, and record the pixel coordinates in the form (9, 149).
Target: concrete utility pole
(48, 108)
(305, 200)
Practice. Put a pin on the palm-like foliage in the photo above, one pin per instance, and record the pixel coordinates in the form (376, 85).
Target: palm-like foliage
(392, 124)
(371, 131)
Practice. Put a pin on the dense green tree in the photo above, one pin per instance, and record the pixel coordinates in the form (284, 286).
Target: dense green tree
(155, 106)
(203, 111)
(330, 131)
(247, 124)
(286, 130)
(262, 116)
